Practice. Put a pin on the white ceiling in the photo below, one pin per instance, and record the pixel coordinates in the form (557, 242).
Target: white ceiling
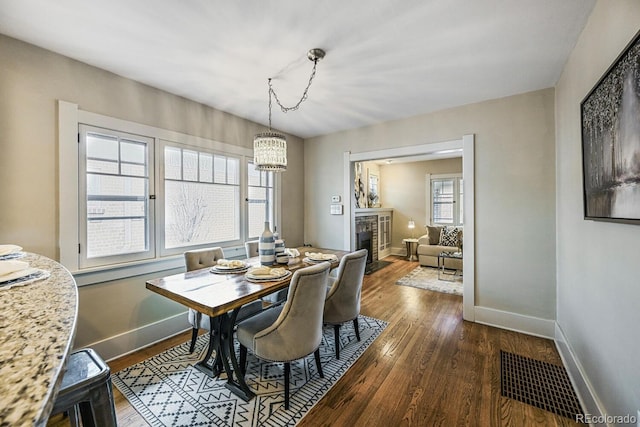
(385, 59)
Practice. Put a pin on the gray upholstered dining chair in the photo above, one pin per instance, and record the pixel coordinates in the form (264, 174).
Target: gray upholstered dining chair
(202, 258)
(251, 248)
(290, 331)
(343, 298)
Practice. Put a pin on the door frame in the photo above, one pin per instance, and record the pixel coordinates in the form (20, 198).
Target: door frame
(466, 144)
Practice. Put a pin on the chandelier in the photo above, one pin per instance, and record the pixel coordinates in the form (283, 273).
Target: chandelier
(270, 148)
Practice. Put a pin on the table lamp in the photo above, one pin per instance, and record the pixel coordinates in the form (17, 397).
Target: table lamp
(411, 226)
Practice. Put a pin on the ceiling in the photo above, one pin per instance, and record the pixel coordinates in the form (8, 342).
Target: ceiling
(385, 59)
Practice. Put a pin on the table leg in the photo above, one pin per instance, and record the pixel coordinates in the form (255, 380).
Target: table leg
(203, 366)
(238, 387)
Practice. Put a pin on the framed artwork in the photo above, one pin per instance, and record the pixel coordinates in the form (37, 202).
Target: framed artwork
(359, 191)
(610, 116)
(374, 199)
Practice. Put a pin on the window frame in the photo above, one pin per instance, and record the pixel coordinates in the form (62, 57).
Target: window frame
(242, 184)
(69, 118)
(85, 262)
(457, 179)
(271, 208)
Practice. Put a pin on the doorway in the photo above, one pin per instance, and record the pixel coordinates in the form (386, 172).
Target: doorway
(466, 144)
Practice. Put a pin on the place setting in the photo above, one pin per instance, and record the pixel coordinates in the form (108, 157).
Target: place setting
(316, 257)
(13, 273)
(266, 274)
(10, 252)
(226, 266)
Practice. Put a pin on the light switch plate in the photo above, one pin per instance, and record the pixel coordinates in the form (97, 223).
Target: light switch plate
(336, 209)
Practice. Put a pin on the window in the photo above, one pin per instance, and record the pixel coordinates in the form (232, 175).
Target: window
(260, 203)
(116, 181)
(134, 197)
(447, 200)
(201, 198)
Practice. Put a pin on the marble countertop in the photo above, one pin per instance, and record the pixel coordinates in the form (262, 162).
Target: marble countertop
(37, 328)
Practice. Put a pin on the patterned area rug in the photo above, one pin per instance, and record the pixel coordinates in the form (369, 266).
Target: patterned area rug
(168, 391)
(427, 278)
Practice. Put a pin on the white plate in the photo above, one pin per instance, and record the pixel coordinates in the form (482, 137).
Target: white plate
(263, 278)
(227, 267)
(319, 257)
(9, 249)
(316, 261)
(34, 275)
(12, 255)
(219, 269)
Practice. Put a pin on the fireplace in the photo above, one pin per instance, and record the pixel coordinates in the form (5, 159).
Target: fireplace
(363, 241)
(367, 226)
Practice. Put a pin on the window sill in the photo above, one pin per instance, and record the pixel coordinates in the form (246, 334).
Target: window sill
(92, 276)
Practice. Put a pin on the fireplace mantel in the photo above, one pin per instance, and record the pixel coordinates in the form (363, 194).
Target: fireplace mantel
(371, 211)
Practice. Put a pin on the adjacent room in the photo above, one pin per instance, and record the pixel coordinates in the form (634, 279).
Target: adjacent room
(319, 213)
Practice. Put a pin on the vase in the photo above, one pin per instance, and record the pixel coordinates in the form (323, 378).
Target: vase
(267, 246)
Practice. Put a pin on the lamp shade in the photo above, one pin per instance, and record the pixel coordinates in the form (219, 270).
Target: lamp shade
(270, 152)
(412, 224)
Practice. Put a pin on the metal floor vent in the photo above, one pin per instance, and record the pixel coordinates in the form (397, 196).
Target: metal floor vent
(540, 384)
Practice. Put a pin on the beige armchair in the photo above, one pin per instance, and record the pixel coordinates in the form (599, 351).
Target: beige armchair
(202, 258)
(343, 299)
(290, 331)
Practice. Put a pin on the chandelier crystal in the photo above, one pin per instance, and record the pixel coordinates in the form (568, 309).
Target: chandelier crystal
(270, 148)
(270, 152)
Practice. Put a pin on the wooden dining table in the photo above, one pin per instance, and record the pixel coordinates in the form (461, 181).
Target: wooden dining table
(220, 296)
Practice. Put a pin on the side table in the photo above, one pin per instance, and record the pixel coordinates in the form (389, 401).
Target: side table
(412, 246)
(442, 275)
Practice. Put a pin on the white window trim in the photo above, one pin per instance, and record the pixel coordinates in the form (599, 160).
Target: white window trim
(69, 117)
(427, 213)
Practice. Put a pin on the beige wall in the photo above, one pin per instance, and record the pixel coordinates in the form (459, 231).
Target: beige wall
(404, 189)
(515, 191)
(598, 270)
(31, 81)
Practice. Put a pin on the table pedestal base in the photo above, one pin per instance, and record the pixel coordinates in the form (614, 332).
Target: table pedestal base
(221, 340)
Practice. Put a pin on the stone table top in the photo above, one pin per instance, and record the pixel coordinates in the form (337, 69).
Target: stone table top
(37, 328)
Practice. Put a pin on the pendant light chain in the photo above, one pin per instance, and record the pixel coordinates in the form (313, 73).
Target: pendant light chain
(302, 99)
(270, 90)
(270, 148)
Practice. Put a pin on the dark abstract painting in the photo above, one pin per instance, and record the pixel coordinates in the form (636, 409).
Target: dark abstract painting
(611, 141)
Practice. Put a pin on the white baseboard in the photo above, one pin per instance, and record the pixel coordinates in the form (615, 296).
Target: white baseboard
(588, 399)
(136, 339)
(515, 322)
(400, 251)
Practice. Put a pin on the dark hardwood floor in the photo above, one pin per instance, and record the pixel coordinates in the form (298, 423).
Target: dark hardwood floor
(428, 368)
